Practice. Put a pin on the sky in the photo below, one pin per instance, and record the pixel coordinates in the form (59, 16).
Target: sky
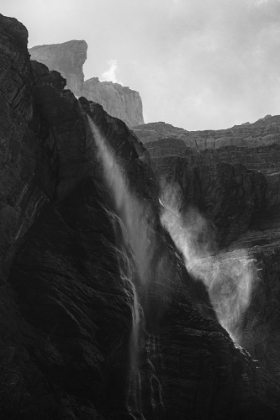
(197, 64)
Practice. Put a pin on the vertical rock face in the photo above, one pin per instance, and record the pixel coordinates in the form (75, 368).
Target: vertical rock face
(66, 310)
(232, 176)
(20, 195)
(68, 59)
(117, 100)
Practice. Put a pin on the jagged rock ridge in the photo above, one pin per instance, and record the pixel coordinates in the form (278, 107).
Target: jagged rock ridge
(68, 59)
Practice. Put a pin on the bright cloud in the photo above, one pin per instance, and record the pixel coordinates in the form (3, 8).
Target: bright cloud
(110, 75)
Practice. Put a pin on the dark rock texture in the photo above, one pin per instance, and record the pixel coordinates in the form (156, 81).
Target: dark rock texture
(232, 176)
(68, 59)
(66, 311)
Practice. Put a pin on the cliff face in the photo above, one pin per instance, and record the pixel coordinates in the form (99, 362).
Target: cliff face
(209, 164)
(68, 59)
(232, 176)
(119, 101)
(67, 309)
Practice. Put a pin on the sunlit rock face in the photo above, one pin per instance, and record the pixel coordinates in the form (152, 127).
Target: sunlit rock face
(232, 178)
(66, 310)
(119, 101)
(68, 59)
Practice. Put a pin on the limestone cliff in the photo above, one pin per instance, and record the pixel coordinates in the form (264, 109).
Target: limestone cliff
(119, 101)
(68, 59)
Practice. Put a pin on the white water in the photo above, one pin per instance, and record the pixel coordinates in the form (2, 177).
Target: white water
(228, 276)
(135, 253)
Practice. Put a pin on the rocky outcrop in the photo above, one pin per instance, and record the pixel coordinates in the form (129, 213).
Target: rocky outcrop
(67, 312)
(119, 101)
(68, 59)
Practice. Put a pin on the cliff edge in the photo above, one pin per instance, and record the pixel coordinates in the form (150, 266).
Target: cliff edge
(68, 59)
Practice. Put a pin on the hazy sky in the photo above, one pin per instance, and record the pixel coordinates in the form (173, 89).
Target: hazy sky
(197, 64)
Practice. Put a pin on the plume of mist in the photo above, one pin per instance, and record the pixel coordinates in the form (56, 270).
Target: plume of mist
(228, 276)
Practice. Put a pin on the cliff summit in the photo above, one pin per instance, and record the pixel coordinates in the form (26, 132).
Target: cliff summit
(68, 59)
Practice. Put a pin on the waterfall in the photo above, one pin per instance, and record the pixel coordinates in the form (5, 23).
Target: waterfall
(228, 276)
(135, 251)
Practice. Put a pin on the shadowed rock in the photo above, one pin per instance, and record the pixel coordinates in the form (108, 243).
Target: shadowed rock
(66, 312)
(232, 176)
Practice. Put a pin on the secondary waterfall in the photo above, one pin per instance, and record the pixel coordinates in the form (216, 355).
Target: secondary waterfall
(228, 276)
(135, 251)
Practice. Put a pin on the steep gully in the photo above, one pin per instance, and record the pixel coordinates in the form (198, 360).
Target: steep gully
(100, 318)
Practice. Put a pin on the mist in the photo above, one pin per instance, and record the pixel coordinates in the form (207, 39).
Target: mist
(228, 275)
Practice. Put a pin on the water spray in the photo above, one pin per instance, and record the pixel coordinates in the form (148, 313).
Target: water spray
(228, 276)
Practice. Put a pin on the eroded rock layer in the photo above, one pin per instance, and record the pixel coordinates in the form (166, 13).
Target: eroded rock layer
(68, 59)
(119, 101)
(232, 176)
(66, 311)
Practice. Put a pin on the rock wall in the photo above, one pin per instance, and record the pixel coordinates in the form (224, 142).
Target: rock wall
(66, 310)
(68, 59)
(119, 101)
(232, 176)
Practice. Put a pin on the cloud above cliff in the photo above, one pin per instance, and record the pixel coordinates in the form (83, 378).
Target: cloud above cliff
(197, 64)
(111, 74)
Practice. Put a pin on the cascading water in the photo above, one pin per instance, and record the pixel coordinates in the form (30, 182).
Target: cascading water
(228, 276)
(135, 253)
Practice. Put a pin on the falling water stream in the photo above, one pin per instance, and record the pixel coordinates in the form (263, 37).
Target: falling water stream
(135, 239)
(227, 276)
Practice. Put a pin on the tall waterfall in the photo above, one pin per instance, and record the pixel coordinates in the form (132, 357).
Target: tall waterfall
(135, 251)
(228, 276)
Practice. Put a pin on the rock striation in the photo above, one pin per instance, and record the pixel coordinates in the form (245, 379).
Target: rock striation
(68, 59)
(67, 312)
(232, 176)
(119, 101)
